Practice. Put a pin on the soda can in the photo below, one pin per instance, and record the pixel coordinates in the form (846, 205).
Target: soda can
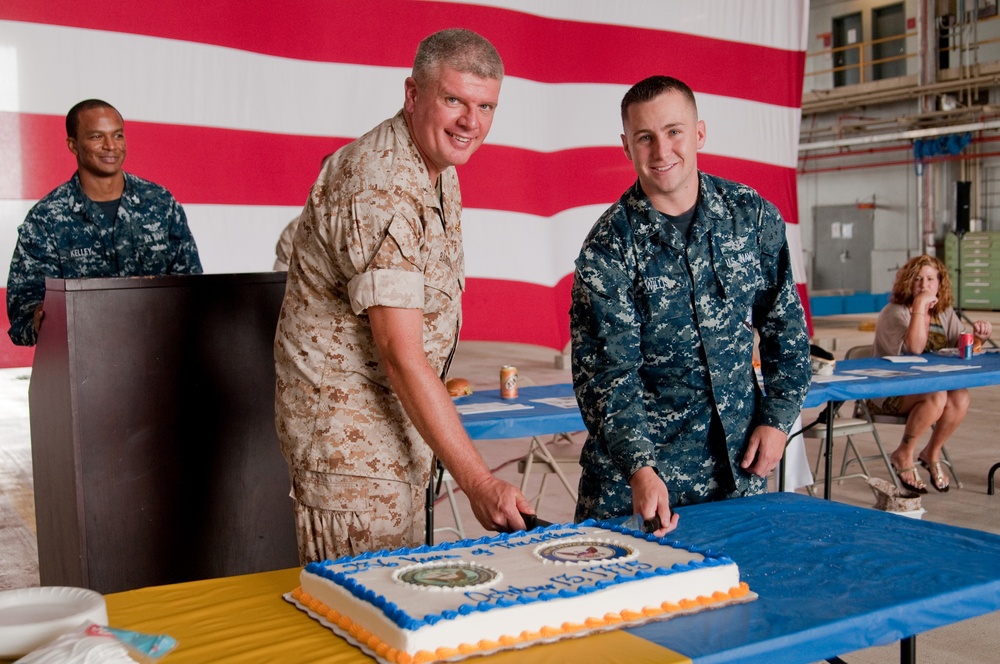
(508, 382)
(965, 342)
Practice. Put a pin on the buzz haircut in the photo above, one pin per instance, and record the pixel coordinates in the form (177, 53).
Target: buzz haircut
(460, 49)
(73, 117)
(650, 88)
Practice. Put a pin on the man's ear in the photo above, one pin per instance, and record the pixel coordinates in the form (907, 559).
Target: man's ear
(409, 93)
(628, 153)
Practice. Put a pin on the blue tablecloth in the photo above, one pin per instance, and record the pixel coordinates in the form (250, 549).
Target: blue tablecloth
(536, 418)
(831, 578)
(981, 370)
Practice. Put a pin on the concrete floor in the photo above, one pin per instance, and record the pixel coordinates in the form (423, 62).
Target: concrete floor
(973, 449)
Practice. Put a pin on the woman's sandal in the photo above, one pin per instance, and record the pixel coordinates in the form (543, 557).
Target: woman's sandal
(918, 485)
(938, 479)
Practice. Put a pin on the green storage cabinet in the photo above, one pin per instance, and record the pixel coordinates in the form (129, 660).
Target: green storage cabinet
(979, 272)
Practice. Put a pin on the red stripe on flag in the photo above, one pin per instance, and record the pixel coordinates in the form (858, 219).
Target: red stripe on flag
(255, 168)
(530, 313)
(533, 47)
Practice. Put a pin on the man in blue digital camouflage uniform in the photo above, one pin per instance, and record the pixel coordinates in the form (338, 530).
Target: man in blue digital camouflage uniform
(104, 222)
(669, 287)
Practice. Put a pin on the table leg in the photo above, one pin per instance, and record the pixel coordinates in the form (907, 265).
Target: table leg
(429, 509)
(828, 442)
(908, 650)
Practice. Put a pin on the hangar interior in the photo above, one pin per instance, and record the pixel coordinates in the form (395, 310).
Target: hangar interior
(898, 152)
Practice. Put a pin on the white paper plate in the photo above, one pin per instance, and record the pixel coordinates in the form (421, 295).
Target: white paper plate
(31, 617)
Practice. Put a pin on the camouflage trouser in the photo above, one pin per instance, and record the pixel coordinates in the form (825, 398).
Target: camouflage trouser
(338, 515)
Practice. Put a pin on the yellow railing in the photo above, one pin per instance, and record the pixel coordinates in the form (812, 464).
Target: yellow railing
(866, 64)
(820, 64)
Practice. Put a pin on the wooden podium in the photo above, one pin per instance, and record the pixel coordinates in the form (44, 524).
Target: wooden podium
(154, 453)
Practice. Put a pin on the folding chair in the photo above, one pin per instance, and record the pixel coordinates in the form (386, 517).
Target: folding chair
(861, 410)
(847, 428)
(540, 457)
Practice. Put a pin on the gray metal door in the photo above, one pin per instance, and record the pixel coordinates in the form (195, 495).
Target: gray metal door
(889, 55)
(847, 50)
(844, 238)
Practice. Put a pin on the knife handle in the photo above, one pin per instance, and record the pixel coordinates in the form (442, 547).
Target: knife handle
(531, 521)
(651, 525)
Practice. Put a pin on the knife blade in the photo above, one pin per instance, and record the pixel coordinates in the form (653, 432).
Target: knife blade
(644, 526)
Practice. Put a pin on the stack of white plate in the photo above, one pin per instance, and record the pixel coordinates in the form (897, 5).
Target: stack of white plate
(32, 617)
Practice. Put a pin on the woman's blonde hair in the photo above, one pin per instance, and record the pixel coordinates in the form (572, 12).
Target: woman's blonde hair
(902, 290)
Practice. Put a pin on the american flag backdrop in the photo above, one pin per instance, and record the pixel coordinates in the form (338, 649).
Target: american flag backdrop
(231, 105)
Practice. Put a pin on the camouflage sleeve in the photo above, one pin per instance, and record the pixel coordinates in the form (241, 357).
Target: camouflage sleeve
(34, 257)
(283, 249)
(606, 357)
(186, 259)
(781, 323)
(388, 252)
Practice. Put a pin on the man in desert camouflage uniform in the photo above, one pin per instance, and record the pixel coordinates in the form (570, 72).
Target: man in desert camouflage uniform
(104, 222)
(669, 287)
(371, 317)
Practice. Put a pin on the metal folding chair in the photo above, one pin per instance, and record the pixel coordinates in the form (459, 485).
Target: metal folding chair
(862, 411)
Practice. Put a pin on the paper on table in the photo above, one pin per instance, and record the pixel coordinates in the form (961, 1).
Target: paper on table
(474, 408)
(559, 402)
(834, 378)
(941, 368)
(880, 373)
(905, 359)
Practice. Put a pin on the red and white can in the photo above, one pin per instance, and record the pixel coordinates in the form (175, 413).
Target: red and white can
(965, 342)
(508, 382)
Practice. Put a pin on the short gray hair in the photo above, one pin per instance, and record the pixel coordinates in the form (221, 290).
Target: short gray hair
(460, 49)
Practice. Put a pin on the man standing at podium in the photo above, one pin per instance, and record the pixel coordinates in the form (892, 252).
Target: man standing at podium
(371, 315)
(104, 222)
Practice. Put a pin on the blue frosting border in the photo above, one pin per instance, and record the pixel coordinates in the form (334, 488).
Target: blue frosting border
(405, 621)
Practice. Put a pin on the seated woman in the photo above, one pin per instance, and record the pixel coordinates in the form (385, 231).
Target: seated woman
(920, 319)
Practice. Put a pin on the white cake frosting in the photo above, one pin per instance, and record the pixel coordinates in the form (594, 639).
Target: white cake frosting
(477, 596)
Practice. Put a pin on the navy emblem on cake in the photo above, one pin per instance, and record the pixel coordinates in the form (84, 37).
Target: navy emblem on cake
(585, 552)
(447, 575)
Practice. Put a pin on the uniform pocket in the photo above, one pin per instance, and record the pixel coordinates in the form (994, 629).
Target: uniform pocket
(334, 493)
(664, 299)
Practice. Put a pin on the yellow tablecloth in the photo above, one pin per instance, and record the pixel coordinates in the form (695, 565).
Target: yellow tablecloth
(245, 619)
